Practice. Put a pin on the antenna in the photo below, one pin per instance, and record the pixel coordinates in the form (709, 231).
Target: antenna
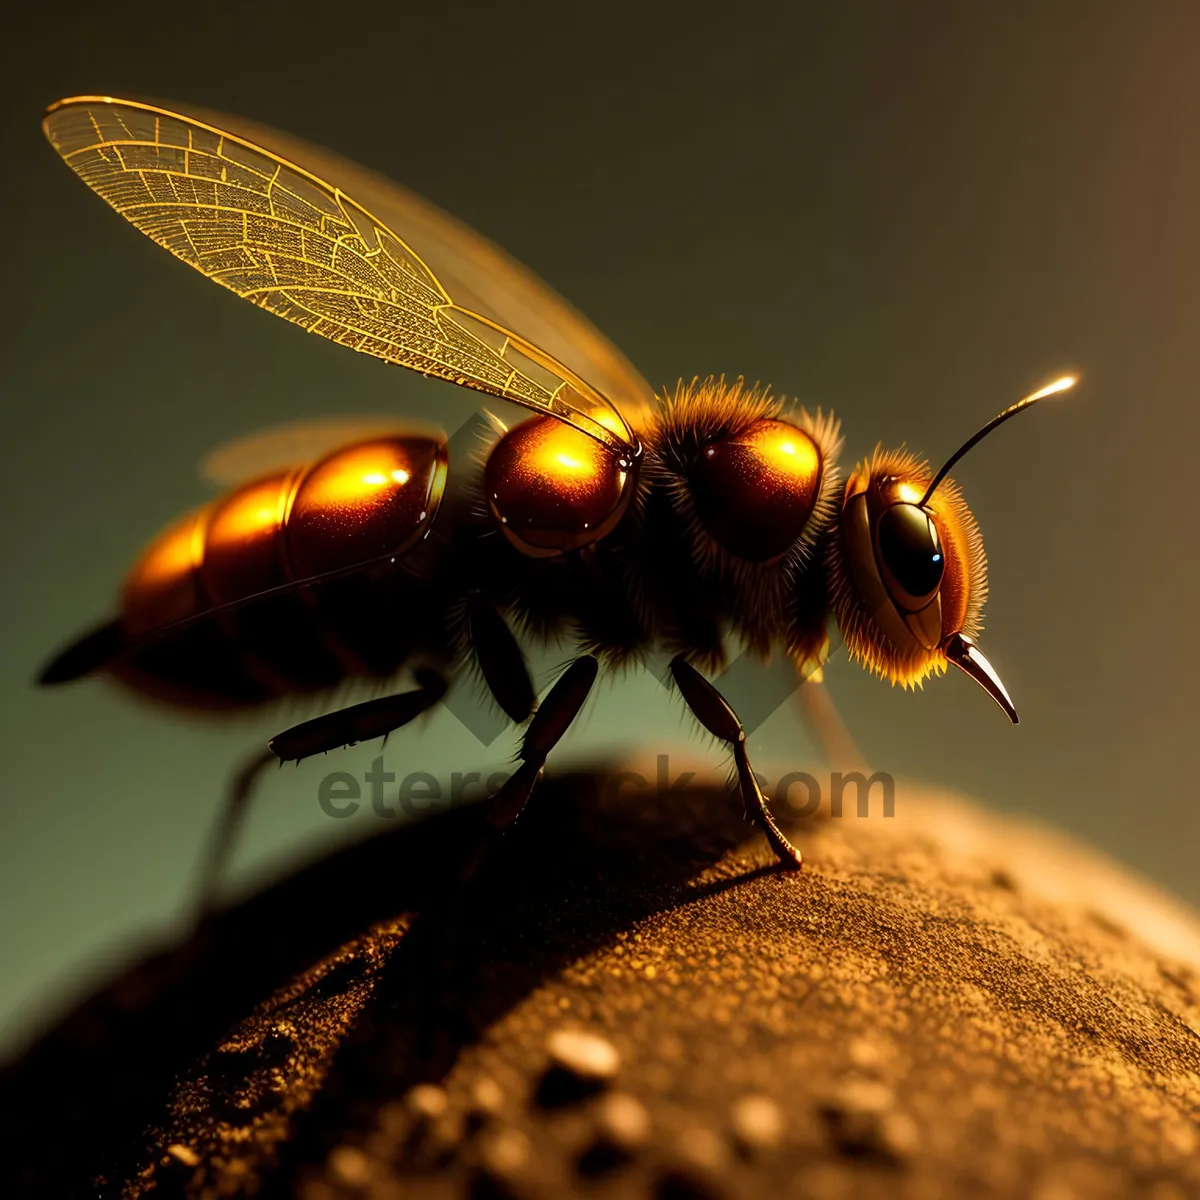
(1051, 389)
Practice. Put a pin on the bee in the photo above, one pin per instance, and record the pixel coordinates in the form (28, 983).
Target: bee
(627, 524)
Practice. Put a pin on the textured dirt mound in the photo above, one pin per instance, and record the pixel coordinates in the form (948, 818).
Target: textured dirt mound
(629, 999)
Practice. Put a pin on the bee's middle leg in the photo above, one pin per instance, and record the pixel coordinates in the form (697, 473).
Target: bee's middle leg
(550, 722)
(713, 711)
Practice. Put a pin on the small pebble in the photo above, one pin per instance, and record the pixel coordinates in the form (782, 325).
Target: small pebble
(863, 1120)
(350, 1166)
(445, 1135)
(487, 1098)
(426, 1101)
(757, 1122)
(184, 1154)
(1182, 1138)
(503, 1152)
(864, 1096)
(703, 1150)
(898, 1136)
(866, 1054)
(585, 1055)
(700, 1165)
(623, 1122)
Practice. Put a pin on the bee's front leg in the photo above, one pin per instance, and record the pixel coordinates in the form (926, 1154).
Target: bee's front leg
(713, 711)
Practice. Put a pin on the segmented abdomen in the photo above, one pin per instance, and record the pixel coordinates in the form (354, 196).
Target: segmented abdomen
(361, 504)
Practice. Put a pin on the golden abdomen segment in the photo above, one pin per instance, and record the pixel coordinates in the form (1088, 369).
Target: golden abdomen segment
(356, 506)
(553, 489)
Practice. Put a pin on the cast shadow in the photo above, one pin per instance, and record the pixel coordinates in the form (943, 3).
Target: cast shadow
(584, 864)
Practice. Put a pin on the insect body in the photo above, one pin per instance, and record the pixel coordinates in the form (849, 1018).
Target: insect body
(626, 523)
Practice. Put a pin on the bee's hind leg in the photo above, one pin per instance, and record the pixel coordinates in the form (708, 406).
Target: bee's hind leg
(713, 711)
(358, 723)
(229, 820)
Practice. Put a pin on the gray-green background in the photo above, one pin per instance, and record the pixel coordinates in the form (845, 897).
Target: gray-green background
(910, 212)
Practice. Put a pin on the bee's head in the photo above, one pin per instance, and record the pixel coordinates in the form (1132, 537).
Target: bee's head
(905, 576)
(907, 571)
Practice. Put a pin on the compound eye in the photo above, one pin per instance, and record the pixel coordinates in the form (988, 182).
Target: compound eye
(910, 554)
(754, 492)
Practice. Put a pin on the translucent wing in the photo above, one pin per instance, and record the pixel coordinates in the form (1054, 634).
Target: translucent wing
(286, 236)
(298, 442)
(477, 273)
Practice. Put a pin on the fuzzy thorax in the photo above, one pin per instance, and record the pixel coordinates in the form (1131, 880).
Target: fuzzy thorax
(771, 471)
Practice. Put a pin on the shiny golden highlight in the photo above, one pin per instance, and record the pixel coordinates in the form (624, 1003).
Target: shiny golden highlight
(786, 452)
(364, 502)
(756, 480)
(366, 475)
(161, 587)
(552, 489)
(352, 507)
(241, 554)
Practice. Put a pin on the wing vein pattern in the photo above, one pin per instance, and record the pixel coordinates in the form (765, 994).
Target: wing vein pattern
(301, 248)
